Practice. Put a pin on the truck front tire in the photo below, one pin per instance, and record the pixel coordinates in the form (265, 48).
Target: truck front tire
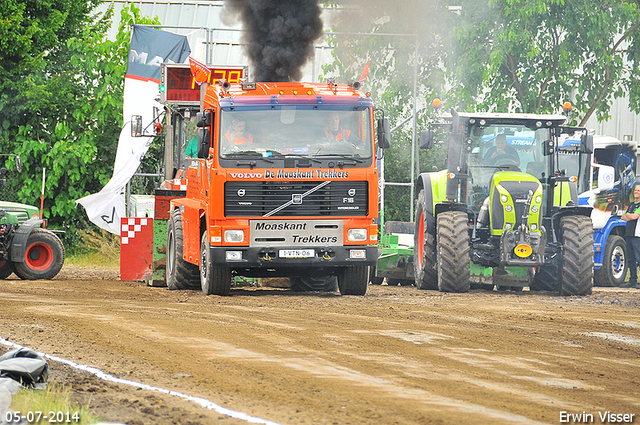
(214, 280)
(614, 263)
(353, 280)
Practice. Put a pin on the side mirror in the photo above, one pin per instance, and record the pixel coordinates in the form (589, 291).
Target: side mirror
(549, 147)
(586, 143)
(204, 119)
(605, 177)
(384, 133)
(426, 139)
(204, 142)
(136, 125)
(18, 164)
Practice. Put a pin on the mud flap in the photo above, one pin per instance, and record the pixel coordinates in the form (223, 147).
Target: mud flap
(21, 237)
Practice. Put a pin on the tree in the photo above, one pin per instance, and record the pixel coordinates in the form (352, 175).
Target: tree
(531, 56)
(62, 108)
(399, 40)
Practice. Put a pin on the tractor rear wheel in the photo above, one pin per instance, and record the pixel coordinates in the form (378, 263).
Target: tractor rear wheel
(43, 257)
(180, 273)
(577, 260)
(424, 242)
(454, 271)
(614, 264)
(214, 280)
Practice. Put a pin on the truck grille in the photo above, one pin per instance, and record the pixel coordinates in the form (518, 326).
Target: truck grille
(277, 199)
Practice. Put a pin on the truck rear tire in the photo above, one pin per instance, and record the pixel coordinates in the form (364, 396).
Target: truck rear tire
(353, 280)
(180, 273)
(454, 269)
(6, 269)
(424, 263)
(43, 257)
(577, 260)
(310, 283)
(214, 280)
(614, 264)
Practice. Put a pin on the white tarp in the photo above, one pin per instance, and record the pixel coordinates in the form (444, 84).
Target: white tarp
(149, 49)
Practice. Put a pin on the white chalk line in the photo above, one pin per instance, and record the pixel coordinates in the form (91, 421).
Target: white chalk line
(105, 376)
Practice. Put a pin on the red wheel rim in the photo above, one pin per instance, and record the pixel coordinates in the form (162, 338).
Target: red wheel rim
(420, 239)
(39, 256)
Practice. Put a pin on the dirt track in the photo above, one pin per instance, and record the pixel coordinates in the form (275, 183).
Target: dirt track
(398, 355)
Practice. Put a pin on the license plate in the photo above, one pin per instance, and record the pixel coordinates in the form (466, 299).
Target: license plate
(297, 253)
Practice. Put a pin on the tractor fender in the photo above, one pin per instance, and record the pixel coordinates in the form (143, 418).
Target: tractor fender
(20, 238)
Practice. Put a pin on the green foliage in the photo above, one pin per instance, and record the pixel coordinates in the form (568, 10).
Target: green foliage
(61, 101)
(532, 56)
(412, 54)
(55, 397)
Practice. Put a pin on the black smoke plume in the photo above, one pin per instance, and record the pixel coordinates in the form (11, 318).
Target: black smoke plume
(279, 35)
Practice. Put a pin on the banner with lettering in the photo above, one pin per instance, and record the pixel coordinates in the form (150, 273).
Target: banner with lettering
(149, 48)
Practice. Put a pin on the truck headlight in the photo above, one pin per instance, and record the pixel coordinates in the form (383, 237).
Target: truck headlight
(357, 235)
(233, 235)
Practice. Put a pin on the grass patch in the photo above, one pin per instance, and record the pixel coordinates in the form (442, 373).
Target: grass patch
(97, 248)
(54, 400)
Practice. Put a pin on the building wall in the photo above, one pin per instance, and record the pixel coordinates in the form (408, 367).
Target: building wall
(201, 22)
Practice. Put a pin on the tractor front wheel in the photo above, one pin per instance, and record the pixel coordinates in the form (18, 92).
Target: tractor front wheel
(6, 269)
(454, 270)
(577, 259)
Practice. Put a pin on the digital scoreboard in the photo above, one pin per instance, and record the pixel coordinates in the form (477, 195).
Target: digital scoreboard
(180, 86)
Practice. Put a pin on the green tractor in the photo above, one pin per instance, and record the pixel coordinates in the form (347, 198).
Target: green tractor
(26, 249)
(505, 213)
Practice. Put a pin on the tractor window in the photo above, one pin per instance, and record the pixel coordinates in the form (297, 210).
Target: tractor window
(514, 147)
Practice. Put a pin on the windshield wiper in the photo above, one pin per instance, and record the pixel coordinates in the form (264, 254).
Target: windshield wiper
(301, 156)
(348, 157)
(253, 154)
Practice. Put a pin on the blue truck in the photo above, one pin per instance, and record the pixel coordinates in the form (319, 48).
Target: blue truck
(608, 189)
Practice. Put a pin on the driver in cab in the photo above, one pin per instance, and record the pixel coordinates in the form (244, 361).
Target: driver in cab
(336, 135)
(500, 149)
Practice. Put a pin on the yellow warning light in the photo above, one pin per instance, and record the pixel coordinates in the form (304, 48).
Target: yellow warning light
(523, 250)
(451, 175)
(567, 107)
(281, 92)
(573, 179)
(436, 103)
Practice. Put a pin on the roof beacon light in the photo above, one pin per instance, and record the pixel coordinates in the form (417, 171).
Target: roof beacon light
(436, 104)
(567, 107)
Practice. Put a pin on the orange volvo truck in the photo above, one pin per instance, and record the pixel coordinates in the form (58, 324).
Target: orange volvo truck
(285, 184)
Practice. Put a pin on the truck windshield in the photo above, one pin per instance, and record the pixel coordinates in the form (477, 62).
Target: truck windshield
(500, 147)
(296, 131)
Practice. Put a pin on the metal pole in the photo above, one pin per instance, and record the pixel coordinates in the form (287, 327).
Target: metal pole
(414, 153)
